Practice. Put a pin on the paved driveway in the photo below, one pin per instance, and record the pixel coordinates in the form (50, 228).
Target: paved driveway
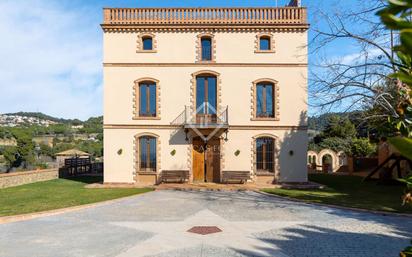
(251, 224)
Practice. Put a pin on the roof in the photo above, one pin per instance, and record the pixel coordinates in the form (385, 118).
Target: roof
(72, 152)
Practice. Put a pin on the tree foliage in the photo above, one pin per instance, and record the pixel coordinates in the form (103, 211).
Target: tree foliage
(337, 144)
(340, 134)
(339, 127)
(396, 16)
(362, 147)
(24, 154)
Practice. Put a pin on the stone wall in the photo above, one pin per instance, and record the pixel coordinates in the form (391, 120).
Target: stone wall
(26, 177)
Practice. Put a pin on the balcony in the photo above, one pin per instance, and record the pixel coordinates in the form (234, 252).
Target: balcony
(203, 123)
(290, 15)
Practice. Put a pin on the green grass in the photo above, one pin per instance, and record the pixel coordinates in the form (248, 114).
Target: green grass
(58, 193)
(349, 191)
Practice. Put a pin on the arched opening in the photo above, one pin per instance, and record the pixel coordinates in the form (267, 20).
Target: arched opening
(147, 93)
(265, 100)
(342, 159)
(327, 163)
(265, 155)
(206, 98)
(147, 154)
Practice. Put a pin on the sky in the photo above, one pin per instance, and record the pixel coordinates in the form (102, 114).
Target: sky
(51, 51)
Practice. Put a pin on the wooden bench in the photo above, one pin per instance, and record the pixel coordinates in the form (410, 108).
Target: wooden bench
(175, 176)
(235, 175)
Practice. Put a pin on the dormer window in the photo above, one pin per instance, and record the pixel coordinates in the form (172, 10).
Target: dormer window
(147, 43)
(264, 43)
(206, 43)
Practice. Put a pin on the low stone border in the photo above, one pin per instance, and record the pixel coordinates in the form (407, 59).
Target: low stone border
(382, 213)
(34, 215)
(118, 185)
(27, 177)
(205, 187)
(236, 187)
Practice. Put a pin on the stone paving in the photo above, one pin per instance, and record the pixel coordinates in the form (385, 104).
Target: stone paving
(156, 224)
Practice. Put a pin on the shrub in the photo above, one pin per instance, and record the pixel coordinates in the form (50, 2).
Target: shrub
(362, 147)
(336, 144)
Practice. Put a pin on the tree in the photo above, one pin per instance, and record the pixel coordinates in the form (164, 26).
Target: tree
(397, 16)
(337, 144)
(340, 128)
(361, 81)
(93, 125)
(25, 150)
(362, 147)
(45, 150)
(11, 156)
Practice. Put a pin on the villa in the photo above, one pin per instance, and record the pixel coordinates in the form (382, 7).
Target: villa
(205, 94)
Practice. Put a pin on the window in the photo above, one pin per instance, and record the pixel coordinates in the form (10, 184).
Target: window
(206, 45)
(147, 154)
(147, 43)
(206, 94)
(265, 149)
(264, 43)
(265, 100)
(147, 99)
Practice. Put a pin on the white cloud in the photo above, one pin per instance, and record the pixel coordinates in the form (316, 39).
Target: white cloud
(50, 59)
(360, 56)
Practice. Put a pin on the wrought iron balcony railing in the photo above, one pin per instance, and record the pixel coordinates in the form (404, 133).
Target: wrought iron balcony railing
(201, 119)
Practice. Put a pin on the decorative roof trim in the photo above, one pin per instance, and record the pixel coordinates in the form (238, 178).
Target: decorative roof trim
(205, 29)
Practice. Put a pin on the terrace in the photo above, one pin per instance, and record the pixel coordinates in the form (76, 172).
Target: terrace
(276, 16)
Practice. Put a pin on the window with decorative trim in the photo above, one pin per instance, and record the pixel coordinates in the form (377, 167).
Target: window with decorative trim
(205, 48)
(146, 99)
(206, 43)
(205, 90)
(265, 153)
(146, 43)
(147, 154)
(264, 43)
(265, 100)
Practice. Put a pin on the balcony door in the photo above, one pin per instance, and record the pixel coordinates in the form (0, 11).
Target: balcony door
(206, 99)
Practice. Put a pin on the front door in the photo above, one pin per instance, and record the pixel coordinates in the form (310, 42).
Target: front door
(206, 160)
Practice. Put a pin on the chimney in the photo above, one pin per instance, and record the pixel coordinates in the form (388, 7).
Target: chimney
(295, 3)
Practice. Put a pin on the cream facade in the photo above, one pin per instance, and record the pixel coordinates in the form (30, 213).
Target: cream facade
(249, 71)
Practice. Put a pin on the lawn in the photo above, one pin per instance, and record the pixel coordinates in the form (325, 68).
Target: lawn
(55, 194)
(349, 191)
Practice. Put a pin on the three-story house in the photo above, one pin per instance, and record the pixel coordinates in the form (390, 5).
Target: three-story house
(209, 93)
